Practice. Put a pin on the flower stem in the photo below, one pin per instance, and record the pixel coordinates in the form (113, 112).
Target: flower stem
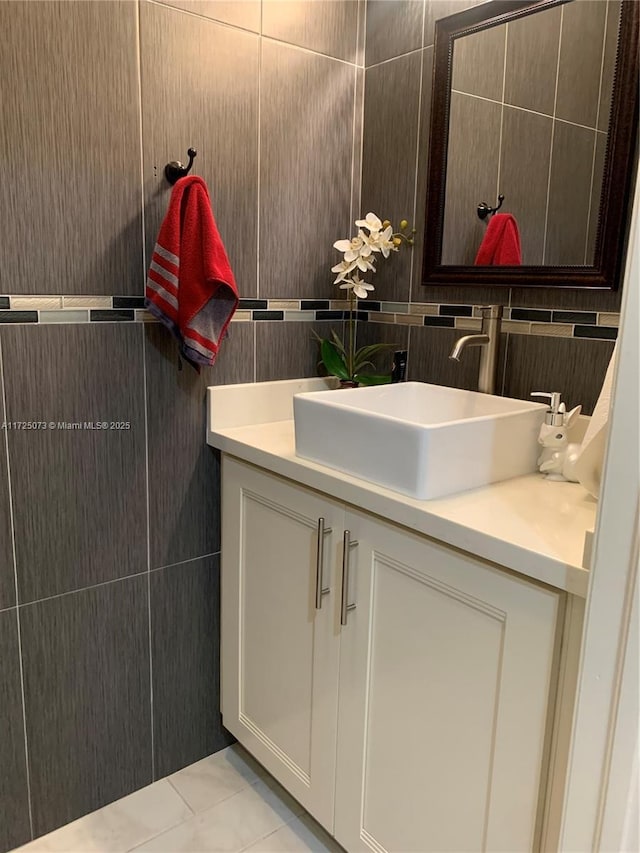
(351, 354)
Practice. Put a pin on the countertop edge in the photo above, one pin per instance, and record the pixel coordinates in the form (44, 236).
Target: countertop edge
(391, 506)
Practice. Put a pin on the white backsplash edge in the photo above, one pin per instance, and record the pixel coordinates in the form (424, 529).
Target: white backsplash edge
(230, 406)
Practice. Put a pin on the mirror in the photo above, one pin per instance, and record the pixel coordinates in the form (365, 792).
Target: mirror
(534, 114)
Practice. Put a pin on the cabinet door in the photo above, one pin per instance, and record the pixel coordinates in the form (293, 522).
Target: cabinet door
(445, 671)
(280, 654)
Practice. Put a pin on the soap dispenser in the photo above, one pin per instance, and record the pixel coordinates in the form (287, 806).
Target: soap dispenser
(558, 456)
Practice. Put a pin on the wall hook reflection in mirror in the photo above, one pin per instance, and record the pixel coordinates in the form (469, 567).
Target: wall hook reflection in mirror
(484, 210)
(175, 170)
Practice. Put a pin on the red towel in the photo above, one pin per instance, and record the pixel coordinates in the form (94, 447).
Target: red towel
(501, 243)
(190, 285)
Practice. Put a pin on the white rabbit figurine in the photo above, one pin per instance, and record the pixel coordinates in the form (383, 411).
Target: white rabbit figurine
(558, 456)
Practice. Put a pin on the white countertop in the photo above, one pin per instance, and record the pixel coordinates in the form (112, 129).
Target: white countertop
(529, 524)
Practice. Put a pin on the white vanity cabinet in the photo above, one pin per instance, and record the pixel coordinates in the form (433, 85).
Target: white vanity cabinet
(280, 654)
(446, 665)
(419, 725)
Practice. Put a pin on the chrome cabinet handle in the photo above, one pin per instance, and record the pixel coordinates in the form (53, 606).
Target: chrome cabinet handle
(347, 545)
(320, 591)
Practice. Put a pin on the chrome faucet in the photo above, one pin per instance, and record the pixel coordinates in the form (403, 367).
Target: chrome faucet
(489, 340)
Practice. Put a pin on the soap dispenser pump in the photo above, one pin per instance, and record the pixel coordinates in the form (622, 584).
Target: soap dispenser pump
(556, 410)
(558, 456)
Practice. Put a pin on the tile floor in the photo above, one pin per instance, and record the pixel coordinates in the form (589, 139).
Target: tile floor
(226, 802)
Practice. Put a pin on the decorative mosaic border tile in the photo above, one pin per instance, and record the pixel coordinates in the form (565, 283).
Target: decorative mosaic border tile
(72, 309)
(130, 309)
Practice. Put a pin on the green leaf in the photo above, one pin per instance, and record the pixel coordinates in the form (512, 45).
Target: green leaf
(338, 344)
(333, 361)
(372, 349)
(363, 355)
(373, 379)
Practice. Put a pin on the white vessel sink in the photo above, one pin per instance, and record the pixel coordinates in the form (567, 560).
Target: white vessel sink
(423, 440)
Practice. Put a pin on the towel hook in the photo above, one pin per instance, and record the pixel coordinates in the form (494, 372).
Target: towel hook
(175, 170)
(484, 210)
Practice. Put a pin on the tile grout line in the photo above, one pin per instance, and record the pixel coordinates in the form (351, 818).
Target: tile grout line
(399, 56)
(168, 779)
(277, 829)
(308, 50)
(183, 562)
(15, 579)
(255, 352)
(193, 14)
(80, 589)
(553, 133)
(141, 123)
(258, 158)
(417, 158)
(595, 136)
(526, 110)
(195, 814)
(353, 144)
(504, 87)
(260, 34)
(506, 364)
(148, 532)
(362, 110)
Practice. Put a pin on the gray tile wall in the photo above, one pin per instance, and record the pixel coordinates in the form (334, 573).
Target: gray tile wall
(69, 110)
(301, 176)
(78, 494)
(117, 532)
(393, 116)
(269, 94)
(86, 659)
(183, 487)
(324, 26)
(200, 88)
(7, 578)
(185, 624)
(14, 793)
(288, 350)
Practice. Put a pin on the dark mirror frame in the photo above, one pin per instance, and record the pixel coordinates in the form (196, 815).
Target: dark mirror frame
(618, 169)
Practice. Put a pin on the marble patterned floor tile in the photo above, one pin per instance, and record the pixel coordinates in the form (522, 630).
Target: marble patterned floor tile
(213, 779)
(231, 825)
(302, 835)
(119, 826)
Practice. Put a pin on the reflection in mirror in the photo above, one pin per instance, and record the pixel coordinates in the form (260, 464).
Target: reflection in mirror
(529, 114)
(561, 163)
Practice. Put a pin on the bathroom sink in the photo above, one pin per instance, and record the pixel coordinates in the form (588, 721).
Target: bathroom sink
(422, 440)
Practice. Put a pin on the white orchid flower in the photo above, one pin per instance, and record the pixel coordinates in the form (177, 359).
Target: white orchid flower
(383, 242)
(343, 269)
(359, 287)
(354, 247)
(364, 263)
(367, 248)
(371, 222)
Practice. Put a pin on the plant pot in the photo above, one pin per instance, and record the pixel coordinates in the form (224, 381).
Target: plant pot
(349, 383)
